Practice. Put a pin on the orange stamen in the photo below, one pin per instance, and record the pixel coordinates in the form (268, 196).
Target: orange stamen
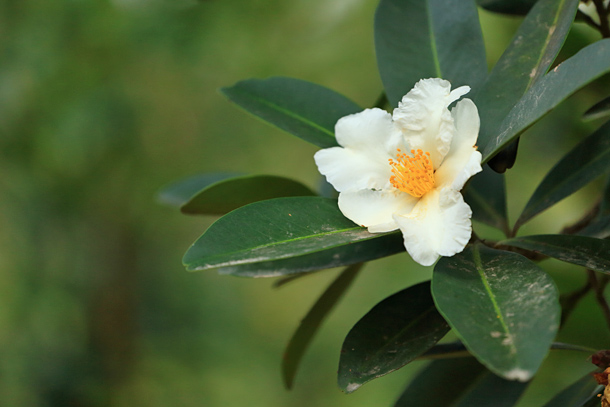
(413, 175)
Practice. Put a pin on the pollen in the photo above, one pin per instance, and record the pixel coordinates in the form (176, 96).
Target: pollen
(413, 174)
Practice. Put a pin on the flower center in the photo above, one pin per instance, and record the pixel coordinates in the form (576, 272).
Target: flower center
(413, 175)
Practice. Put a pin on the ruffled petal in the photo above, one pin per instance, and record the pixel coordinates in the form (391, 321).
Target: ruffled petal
(439, 225)
(423, 118)
(347, 169)
(370, 131)
(463, 160)
(368, 141)
(374, 209)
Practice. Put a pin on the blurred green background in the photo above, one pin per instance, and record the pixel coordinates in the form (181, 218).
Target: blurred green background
(104, 102)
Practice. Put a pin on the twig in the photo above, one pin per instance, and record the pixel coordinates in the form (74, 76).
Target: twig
(599, 285)
(582, 222)
(569, 301)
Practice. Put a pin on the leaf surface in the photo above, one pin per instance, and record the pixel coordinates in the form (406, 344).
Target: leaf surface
(485, 193)
(286, 235)
(301, 108)
(417, 39)
(179, 192)
(515, 7)
(460, 382)
(228, 194)
(600, 109)
(585, 251)
(566, 78)
(527, 58)
(577, 394)
(389, 336)
(585, 162)
(487, 297)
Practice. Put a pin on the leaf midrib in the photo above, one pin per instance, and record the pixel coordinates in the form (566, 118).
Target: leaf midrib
(479, 266)
(211, 264)
(287, 113)
(537, 243)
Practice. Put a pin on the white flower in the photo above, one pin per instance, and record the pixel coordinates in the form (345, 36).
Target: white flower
(405, 170)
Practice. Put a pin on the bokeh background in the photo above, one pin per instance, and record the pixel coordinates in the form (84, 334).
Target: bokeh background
(102, 103)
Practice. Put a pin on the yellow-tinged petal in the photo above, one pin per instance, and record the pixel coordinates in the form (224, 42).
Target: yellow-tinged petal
(368, 139)
(424, 120)
(374, 209)
(439, 225)
(463, 160)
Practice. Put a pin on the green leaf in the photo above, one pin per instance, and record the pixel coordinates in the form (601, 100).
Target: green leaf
(577, 394)
(416, 39)
(457, 349)
(516, 7)
(598, 228)
(179, 192)
(487, 297)
(600, 225)
(389, 336)
(598, 110)
(309, 325)
(228, 194)
(286, 235)
(301, 108)
(585, 251)
(486, 195)
(528, 57)
(461, 382)
(588, 64)
(585, 162)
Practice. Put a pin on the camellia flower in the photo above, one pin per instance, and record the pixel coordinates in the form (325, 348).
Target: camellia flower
(405, 170)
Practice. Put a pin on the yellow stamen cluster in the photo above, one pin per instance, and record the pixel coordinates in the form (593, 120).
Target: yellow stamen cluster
(413, 175)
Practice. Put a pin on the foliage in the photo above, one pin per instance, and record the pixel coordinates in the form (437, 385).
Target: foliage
(493, 296)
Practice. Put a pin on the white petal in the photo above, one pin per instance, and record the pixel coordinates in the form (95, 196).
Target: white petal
(369, 140)
(439, 225)
(374, 209)
(348, 170)
(463, 159)
(423, 118)
(370, 131)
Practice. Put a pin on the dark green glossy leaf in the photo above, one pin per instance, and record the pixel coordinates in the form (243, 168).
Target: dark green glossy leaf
(516, 7)
(524, 62)
(416, 39)
(486, 195)
(598, 110)
(437, 384)
(585, 162)
(179, 192)
(585, 251)
(287, 235)
(600, 225)
(301, 108)
(389, 336)
(458, 349)
(588, 64)
(577, 394)
(309, 325)
(229, 194)
(492, 391)
(461, 382)
(598, 228)
(487, 296)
